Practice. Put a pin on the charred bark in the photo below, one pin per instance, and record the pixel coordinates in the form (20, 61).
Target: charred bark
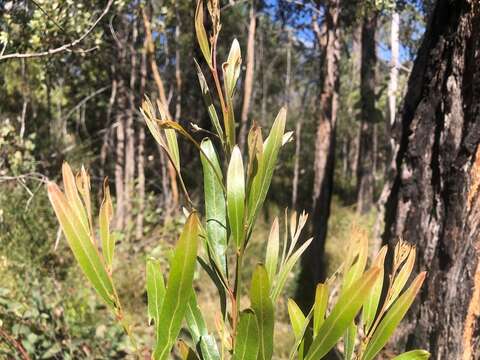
(434, 201)
(365, 167)
(313, 262)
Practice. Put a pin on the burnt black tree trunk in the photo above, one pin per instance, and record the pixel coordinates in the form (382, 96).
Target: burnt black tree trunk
(365, 166)
(435, 198)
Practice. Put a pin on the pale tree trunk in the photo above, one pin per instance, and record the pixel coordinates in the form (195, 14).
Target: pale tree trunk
(141, 151)
(393, 81)
(119, 167)
(130, 131)
(178, 71)
(248, 83)
(106, 138)
(365, 179)
(392, 105)
(163, 99)
(435, 198)
(313, 262)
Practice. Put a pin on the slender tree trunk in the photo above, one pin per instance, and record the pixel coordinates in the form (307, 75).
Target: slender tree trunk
(141, 151)
(119, 167)
(106, 138)
(313, 262)
(129, 130)
(178, 71)
(435, 198)
(365, 179)
(248, 84)
(393, 81)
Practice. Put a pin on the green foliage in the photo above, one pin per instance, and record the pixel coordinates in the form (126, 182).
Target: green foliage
(234, 195)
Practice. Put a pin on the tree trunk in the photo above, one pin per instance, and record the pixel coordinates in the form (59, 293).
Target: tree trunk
(434, 202)
(248, 84)
(178, 71)
(393, 81)
(313, 262)
(365, 180)
(141, 151)
(130, 131)
(119, 174)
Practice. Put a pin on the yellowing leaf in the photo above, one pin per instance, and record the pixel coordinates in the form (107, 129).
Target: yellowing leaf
(105, 216)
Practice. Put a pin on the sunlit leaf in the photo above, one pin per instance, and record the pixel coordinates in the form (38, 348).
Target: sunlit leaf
(342, 315)
(179, 288)
(392, 318)
(273, 246)
(297, 318)
(236, 196)
(371, 304)
(319, 307)
(247, 340)
(215, 206)
(105, 216)
(80, 242)
(403, 275)
(263, 177)
(413, 355)
(155, 289)
(349, 341)
(263, 307)
(202, 37)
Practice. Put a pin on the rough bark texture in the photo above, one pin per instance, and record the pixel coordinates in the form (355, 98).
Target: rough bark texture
(366, 155)
(313, 264)
(434, 201)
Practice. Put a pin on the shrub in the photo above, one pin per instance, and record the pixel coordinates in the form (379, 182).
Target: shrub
(234, 195)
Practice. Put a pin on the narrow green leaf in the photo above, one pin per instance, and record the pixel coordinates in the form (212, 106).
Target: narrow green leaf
(286, 269)
(231, 68)
(215, 207)
(247, 340)
(202, 37)
(80, 243)
(273, 246)
(179, 288)
(155, 289)
(105, 216)
(297, 318)
(371, 304)
(392, 318)
(319, 307)
(263, 177)
(263, 307)
(236, 196)
(342, 315)
(198, 330)
(349, 341)
(207, 98)
(413, 355)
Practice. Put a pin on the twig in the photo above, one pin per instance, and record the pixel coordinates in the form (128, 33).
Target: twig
(84, 100)
(64, 47)
(15, 344)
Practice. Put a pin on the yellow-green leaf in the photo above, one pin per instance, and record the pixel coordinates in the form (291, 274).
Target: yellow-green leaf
(105, 216)
(179, 288)
(246, 342)
(273, 246)
(236, 196)
(202, 37)
(155, 289)
(263, 307)
(413, 355)
(319, 307)
(79, 240)
(342, 315)
(392, 318)
(297, 318)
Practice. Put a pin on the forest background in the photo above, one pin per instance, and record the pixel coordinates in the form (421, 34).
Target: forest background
(73, 75)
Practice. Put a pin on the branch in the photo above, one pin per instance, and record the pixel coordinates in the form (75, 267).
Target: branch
(63, 47)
